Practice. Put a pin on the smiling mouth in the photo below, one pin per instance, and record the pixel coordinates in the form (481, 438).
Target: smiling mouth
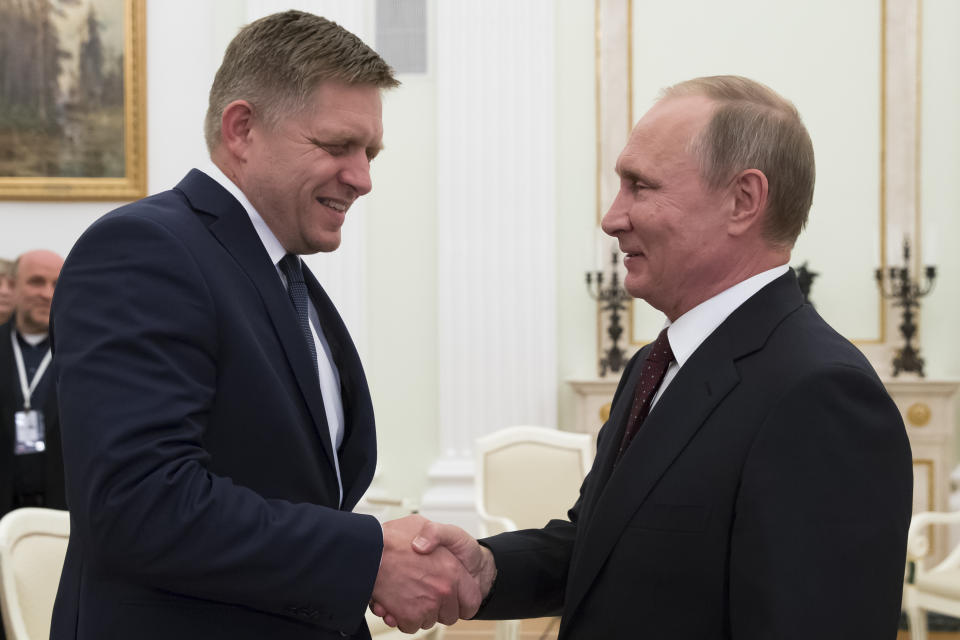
(336, 205)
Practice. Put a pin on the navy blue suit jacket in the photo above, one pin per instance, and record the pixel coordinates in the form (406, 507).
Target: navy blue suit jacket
(199, 470)
(767, 495)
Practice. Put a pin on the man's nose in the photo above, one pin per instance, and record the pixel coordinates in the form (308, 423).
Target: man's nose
(616, 220)
(357, 173)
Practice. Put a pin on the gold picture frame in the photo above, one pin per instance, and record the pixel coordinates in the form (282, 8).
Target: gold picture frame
(90, 143)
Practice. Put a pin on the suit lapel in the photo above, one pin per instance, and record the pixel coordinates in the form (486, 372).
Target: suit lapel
(676, 418)
(618, 422)
(700, 385)
(606, 452)
(235, 232)
(358, 452)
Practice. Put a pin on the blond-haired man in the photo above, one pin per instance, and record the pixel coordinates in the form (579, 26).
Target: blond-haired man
(216, 419)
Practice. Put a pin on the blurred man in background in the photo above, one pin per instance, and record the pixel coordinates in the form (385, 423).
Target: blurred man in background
(31, 463)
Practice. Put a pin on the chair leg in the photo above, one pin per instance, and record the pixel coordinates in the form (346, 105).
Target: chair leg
(507, 630)
(917, 622)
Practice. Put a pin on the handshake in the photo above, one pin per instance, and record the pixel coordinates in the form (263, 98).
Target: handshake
(430, 573)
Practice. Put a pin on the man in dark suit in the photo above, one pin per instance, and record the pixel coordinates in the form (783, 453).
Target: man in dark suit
(754, 478)
(216, 420)
(30, 459)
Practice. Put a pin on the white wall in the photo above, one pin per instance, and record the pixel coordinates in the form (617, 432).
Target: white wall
(401, 233)
(940, 187)
(576, 200)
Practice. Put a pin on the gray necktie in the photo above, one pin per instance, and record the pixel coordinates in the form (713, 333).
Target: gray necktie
(297, 288)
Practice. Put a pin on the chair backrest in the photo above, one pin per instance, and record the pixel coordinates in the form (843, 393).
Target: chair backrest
(526, 476)
(33, 543)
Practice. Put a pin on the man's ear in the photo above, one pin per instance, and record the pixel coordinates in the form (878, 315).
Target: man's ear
(235, 125)
(749, 191)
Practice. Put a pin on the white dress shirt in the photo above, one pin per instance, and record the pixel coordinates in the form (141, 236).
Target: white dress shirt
(689, 331)
(329, 376)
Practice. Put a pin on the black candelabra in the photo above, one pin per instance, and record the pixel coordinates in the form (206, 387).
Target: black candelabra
(805, 278)
(612, 299)
(906, 292)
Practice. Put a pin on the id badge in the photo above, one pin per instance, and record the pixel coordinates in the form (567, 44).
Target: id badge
(30, 432)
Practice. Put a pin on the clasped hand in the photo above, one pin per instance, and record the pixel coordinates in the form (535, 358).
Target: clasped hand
(429, 573)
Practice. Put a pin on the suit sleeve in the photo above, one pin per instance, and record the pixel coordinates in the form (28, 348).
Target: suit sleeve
(137, 351)
(819, 536)
(532, 564)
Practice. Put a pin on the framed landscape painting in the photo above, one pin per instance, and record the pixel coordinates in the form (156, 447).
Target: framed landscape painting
(72, 100)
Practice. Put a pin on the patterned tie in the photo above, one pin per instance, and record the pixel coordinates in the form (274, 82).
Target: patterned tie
(655, 367)
(297, 288)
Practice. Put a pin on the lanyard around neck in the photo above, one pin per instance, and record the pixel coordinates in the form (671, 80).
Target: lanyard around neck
(27, 388)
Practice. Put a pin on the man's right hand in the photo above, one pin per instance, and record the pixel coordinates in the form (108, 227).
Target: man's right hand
(475, 560)
(420, 588)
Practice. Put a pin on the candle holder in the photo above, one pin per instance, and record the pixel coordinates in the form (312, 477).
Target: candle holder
(897, 284)
(805, 278)
(612, 299)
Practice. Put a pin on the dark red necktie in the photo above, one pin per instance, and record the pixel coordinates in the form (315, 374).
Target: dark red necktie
(654, 368)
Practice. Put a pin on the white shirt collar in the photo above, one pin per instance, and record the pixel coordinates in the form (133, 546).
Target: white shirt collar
(33, 339)
(274, 249)
(689, 331)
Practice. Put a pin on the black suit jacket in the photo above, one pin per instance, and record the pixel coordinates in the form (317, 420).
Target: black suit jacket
(45, 469)
(767, 496)
(200, 474)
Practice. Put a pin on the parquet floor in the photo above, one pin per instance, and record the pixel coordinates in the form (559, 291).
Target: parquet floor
(534, 630)
(537, 630)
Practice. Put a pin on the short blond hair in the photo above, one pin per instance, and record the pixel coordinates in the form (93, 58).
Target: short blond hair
(6, 268)
(754, 127)
(276, 63)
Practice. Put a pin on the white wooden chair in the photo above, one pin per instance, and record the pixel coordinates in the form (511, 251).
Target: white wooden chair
(33, 544)
(935, 588)
(526, 476)
(379, 630)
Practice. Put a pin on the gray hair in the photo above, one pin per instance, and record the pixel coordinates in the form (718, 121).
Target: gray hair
(753, 127)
